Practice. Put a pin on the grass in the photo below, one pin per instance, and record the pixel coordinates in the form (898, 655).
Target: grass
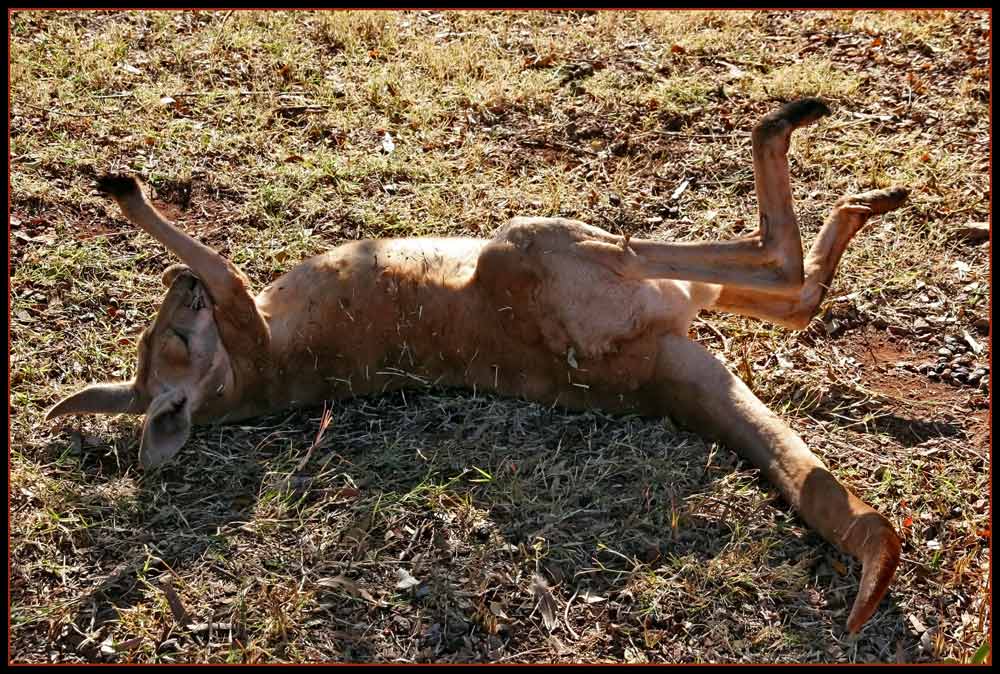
(651, 545)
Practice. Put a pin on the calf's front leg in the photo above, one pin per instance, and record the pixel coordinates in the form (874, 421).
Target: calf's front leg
(243, 329)
(696, 389)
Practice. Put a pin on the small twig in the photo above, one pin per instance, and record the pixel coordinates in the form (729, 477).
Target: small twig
(197, 628)
(221, 92)
(626, 238)
(513, 656)
(61, 112)
(725, 341)
(847, 125)
(685, 134)
(324, 422)
(296, 109)
(181, 615)
(533, 142)
(730, 512)
(890, 150)
(566, 616)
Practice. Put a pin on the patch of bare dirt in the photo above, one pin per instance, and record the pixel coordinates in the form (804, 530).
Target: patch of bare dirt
(919, 407)
(196, 210)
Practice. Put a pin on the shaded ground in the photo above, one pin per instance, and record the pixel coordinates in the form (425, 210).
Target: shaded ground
(439, 526)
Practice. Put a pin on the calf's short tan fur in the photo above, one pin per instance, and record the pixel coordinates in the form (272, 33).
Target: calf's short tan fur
(548, 309)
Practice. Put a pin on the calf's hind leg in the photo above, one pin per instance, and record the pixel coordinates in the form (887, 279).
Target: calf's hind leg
(696, 389)
(770, 260)
(795, 309)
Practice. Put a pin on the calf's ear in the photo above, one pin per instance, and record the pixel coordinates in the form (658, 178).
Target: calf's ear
(112, 398)
(166, 428)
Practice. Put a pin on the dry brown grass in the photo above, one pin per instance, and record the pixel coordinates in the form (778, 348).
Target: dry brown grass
(651, 544)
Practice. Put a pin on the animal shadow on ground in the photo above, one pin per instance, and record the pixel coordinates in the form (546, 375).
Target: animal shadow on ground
(444, 526)
(906, 426)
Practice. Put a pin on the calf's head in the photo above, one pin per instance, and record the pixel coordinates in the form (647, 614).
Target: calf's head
(184, 373)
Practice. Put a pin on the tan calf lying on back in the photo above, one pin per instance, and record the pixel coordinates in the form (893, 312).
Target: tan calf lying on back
(549, 309)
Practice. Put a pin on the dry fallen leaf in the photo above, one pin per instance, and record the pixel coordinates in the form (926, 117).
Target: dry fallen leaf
(497, 609)
(546, 603)
(181, 615)
(590, 598)
(976, 347)
(387, 144)
(406, 581)
(975, 231)
(571, 359)
(927, 641)
(345, 492)
(680, 189)
(341, 582)
(540, 61)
